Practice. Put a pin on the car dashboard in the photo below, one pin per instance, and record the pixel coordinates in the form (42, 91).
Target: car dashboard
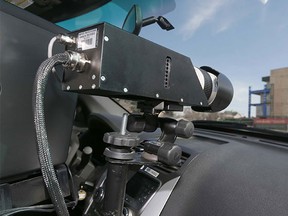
(220, 173)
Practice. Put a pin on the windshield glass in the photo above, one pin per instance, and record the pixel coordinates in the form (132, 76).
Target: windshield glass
(245, 40)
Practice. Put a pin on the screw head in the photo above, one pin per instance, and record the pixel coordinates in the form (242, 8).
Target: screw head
(82, 194)
(201, 103)
(80, 87)
(106, 38)
(103, 78)
(99, 195)
(93, 86)
(68, 87)
(181, 100)
(157, 95)
(125, 90)
(93, 77)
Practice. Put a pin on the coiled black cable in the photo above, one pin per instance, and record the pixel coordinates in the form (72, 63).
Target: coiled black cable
(43, 148)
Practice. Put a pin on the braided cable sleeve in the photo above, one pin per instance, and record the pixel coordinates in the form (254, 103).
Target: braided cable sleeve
(43, 148)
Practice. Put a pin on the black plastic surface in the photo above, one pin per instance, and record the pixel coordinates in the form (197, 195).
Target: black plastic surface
(23, 47)
(139, 190)
(245, 176)
(32, 191)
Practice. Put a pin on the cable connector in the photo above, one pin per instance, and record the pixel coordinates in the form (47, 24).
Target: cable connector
(67, 40)
(77, 61)
(63, 39)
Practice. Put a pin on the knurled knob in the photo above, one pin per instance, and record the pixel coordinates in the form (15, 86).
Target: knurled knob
(118, 139)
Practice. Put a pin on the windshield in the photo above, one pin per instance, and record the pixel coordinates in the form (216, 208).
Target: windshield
(245, 40)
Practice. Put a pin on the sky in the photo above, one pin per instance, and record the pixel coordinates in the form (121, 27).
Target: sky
(243, 39)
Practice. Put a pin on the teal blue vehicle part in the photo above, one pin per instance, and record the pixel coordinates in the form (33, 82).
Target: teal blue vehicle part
(115, 11)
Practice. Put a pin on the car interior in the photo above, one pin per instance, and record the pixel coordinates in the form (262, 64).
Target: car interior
(101, 158)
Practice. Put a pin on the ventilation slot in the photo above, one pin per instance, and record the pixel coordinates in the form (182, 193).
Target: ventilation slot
(167, 72)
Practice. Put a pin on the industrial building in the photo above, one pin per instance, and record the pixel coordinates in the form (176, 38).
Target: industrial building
(272, 111)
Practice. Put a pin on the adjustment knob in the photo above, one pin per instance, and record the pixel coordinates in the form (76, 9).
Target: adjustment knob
(169, 154)
(184, 129)
(166, 152)
(127, 140)
(121, 143)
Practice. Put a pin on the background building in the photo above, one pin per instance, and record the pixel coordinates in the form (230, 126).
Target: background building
(272, 111)
(279, 92)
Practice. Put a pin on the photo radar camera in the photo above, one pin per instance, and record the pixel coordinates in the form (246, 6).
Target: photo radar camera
(123, 65)
(118, 63)
(108, 61)
(112, 62)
